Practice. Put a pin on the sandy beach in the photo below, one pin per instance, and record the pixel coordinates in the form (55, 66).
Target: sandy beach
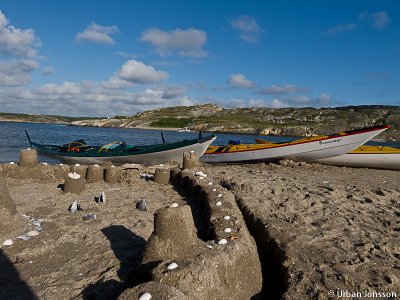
(317, 228)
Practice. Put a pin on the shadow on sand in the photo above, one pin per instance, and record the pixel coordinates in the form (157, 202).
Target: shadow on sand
(128, 248)
(11, 285)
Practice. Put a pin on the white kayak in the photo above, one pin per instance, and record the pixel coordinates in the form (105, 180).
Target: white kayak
(308, 149)
(376, 157)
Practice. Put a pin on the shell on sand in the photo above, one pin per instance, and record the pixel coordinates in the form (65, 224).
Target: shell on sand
(8, 242)
(33, 233)
(145, 296)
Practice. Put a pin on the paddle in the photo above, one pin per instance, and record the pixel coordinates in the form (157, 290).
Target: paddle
(162, 136)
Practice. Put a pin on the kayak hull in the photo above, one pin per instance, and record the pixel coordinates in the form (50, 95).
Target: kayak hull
(300, 150)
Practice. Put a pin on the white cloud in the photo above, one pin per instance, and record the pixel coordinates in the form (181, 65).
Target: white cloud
(135, 72)
(17, 42)
(16, 73)
(322, 100)
(248, 28)
(97, 34)
(377, 20)
(341, 28)
(90, 99)
(187, 42)
(240, 81)
(48, 70)
(284, 89)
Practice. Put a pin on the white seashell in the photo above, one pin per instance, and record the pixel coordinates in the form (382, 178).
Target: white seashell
(214, 190)
(112, 166)
(201, 177)
(12, 163)
(172, 266)
(222, 242)
(210, 183)
(174, 205)
(77, 165)
(38, 228)
(24, 237)
(33, 233)
(74, 207)
(219, 195)
(96, 165)
(8, 242)
(102, 197)
(60, 164)
(145, 296)
(219, 203)
(29, 149)
(227, 218)
(45, 164)
(74, 175)
(191, 151)
(227, 230)
(208, 246)
(200, 173)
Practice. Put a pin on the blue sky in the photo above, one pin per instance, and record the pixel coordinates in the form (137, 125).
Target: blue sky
(106, 58)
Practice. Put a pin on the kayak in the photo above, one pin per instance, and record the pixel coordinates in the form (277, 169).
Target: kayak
(376, 157)
(121, 153)
(306, 149)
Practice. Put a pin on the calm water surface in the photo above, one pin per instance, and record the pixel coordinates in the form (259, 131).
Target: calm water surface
(13, 137)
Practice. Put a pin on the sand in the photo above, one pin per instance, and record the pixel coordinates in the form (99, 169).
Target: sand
(318, 229)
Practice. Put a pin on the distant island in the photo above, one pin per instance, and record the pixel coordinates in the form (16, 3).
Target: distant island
(305, 121)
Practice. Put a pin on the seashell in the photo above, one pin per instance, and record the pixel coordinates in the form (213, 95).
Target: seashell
(12, 163)
(102, 197)
(141, 205)
(112, 166)
(218, 203)
(24, 237)
(214, 190)
(210, 183)
(145, 296)
(33, 233)
(44, 163)
(227, 218)
(89, 217)
(77, 165)
(174, 205)
(172, 266)
(60, 164)
(201, 177)
(227, 230)
(38, 228)
(74, 207)
(8, 242)
(208, 246)
(29, 149)
(200, 173)
(74, 175)
(222, 242)
(219, 195)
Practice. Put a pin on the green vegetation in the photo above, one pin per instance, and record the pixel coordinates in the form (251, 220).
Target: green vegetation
(171, 122)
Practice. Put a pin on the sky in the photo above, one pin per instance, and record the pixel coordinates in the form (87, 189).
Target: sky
(107, 58)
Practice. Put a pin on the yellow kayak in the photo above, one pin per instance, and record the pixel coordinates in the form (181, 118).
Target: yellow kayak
(365, 156)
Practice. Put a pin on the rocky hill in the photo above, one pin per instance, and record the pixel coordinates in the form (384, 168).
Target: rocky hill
(306, 121)
(281, 121)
